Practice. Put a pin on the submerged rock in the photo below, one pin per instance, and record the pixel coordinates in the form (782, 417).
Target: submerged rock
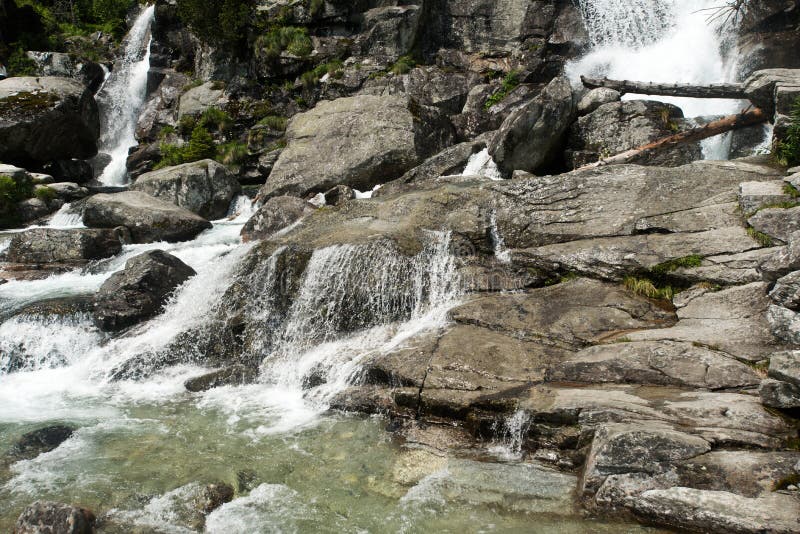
(204, 187)
(234, 375)
(40, 441)
(148, 218)
(140, 290)
(45, 517)
(47, 118)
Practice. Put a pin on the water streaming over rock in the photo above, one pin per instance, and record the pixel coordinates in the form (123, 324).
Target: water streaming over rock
(662, 41)
(65, 217)
(121, 99)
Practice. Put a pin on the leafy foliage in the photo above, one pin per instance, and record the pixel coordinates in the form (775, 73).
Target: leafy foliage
(223, 22)
(510, 82)
(787, 151)
(403, 65)
(278, 39)
(12, 191)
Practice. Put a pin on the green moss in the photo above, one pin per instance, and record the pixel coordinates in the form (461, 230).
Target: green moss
(12, 191)
(688, 262)
(510, 82)
(761, 238)
(26, 103)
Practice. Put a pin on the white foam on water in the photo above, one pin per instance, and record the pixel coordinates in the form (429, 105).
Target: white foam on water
(512, 432)
(500, 250)
(66, 218)
(482, 164)
(268, 508)
(121, 99)
(662, 41)
(366, 194)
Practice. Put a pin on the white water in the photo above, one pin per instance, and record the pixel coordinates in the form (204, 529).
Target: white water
(481, 164)
(662, 41)
(121, 99)
(66, 218)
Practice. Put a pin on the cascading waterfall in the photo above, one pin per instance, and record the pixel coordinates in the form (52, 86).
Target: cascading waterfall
(121, 99)
(662, 41)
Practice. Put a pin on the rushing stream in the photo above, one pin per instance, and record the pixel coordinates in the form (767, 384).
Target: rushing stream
(144, 445)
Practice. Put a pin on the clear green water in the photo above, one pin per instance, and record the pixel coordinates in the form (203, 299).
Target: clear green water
(338, 474)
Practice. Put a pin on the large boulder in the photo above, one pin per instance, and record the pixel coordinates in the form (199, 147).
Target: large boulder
(619, 126)
(276, 214)
(140, 290)
(47, 118)
(74, 245)
(149, 219)
(359, 141)
(204, 187)
(45, 517)
(198, 99)
(89, 73)
(531, 135)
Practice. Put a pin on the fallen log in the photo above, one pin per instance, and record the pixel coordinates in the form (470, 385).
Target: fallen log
(717, 127)
(719, 90)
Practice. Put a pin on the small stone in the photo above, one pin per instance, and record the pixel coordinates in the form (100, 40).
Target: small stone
(40, 441)
(596, 98)
(791, 487)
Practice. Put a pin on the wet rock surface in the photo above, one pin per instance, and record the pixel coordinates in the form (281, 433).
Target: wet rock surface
(140, 290)
(57, 518)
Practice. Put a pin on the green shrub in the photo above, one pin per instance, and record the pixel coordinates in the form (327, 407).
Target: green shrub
(291, 39)
(186, 124)
(19, 64)
(11, 192)
(787, 151)
(232, 153)
(200, 146)
(510, 82)
(646, 288)
(218, 21)
(215, 119)
(45, 194)
(403, 65)
(166, 131)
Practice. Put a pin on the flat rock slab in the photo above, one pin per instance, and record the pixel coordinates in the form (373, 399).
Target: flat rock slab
(732, 320)
(754, 196)
(719, 511)
(75, 245)
(570, 315)
(666, 363)
(621, 200)
(777, 223)
(613, 258)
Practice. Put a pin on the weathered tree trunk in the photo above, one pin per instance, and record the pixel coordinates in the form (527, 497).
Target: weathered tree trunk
(721, 90)
(725, 124)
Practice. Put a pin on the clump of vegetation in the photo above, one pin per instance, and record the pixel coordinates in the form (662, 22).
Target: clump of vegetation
(510, 82)
(646, 288)
(13, 191)
(200, 146)
(687, 262)
(760, 237)
(787, 150)
(275, 122)
(213, 119)
(785, 482)
(223, 22)
(789, 189)
(19, 64)
(45, 194)
(232, 153)
(315, 7)
(403, 65)
(278, 39)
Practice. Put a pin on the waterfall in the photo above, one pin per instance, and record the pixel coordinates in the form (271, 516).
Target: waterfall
(121, 99)
(662, 41)
(66, 218)
(482, 164)
(512, 431)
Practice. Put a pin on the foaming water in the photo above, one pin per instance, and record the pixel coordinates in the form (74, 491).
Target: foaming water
(482, 164)
(66, 218)
(662, 41)
(121, 99)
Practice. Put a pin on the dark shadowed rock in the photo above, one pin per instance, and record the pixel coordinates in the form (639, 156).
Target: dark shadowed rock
(44, 517)
(40, 441)
(338, 195)
(148, 218)
(276, 214)
(47, 118)
(531, 135)
(203, 187)
(140, 290)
